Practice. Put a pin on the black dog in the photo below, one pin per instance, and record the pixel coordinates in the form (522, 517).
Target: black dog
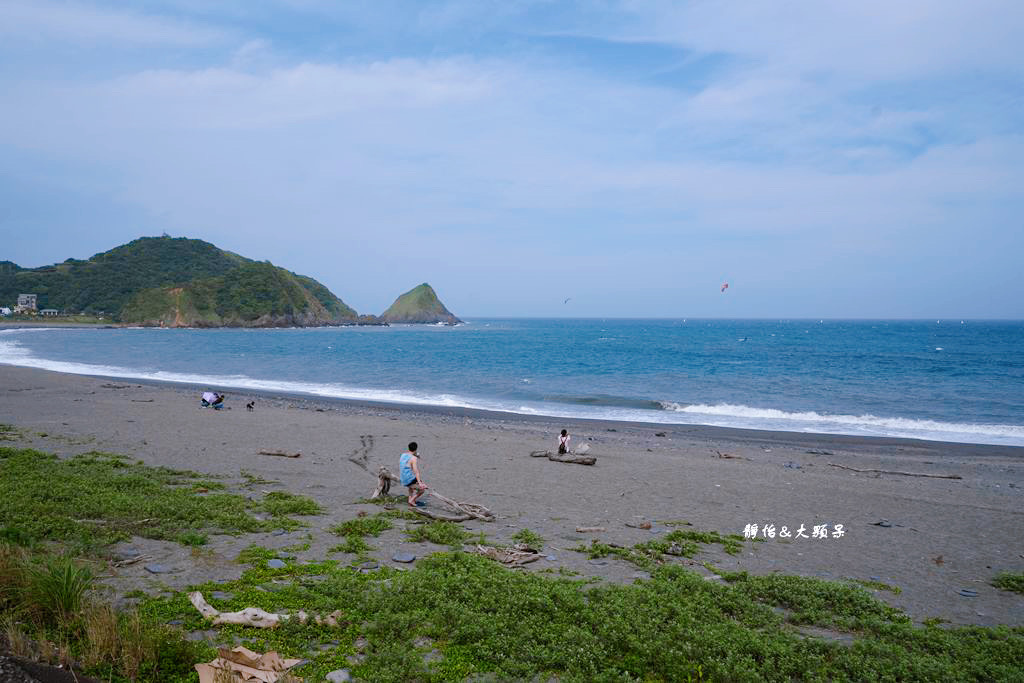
(250, 406)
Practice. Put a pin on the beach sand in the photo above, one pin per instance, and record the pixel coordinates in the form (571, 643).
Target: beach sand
(943, 535)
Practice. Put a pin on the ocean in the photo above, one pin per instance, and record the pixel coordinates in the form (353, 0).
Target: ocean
(946, 380)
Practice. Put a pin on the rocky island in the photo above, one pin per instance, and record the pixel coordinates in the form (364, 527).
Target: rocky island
(419, 305)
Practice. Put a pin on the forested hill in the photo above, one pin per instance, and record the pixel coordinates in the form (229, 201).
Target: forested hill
(179, 282)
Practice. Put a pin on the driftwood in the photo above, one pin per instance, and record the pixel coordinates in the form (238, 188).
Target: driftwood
(463, 511)
(589, 529)
(727, 456)
(254, 616)
(639, 525)
(905, 474)
(460, 512)
(384, 479)
(241, 664)
(569, 458)
(281, 454)
(515, 556)
(131, 560)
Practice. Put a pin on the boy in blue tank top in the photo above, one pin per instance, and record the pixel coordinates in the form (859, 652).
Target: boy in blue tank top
(409, 473)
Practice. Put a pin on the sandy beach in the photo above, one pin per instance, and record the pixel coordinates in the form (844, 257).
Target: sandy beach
(931, 537)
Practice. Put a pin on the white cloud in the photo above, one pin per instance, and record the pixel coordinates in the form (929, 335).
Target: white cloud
(868, 40)
(484, 167)
(42, 21)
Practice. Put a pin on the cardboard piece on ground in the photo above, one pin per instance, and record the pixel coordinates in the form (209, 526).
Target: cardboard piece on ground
(245, 665)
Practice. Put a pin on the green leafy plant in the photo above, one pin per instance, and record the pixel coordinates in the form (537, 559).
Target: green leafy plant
(441, 533)
(1009, 581)
(530, 538)
(362, 526)
(281, 503)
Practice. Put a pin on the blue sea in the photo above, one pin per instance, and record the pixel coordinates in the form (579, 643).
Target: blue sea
(947, 380)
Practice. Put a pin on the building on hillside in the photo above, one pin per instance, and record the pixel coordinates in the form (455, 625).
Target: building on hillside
(26, 302)
(50, 312)
(4, 311)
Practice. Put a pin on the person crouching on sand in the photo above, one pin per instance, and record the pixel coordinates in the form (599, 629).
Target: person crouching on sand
(563, 442)
(409, 473)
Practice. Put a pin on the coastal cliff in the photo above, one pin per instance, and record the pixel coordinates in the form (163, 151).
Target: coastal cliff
(179, 282)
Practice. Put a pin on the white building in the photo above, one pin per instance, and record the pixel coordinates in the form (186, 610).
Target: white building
(4, 310)
(26, 302)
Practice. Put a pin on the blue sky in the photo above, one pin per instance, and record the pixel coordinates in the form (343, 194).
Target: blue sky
(827, 159)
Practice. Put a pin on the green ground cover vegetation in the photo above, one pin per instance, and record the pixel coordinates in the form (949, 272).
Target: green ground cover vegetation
(453, 615)
(1009, 581)
(95, 499)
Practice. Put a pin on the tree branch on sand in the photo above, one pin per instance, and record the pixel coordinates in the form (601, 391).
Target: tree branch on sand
(905, 474)
(254, 616)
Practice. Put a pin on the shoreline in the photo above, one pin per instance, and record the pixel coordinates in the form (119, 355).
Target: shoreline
(931, 536)
(697, 430)
(847, 426)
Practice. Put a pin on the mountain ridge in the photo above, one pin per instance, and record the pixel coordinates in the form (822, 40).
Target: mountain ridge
(183, 282)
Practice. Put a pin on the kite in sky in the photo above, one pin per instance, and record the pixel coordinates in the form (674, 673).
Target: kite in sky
(567, 300)
(725, 286)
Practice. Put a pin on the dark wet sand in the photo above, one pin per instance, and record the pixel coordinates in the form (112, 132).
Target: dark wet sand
(945, 534)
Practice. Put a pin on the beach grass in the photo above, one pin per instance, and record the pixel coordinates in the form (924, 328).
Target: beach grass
(453, 615)
(95, 499)
(1009, 581)
(439, 532)
(529, 538)
(472, 617)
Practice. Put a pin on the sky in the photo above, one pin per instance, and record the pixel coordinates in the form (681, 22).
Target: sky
(826, 159)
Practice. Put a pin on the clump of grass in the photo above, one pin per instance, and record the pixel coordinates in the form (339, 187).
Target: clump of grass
(817, 601)
(54, 590)
(878, 585)
(9, 433)
(650, 554)
(1009, 581)
(353, 544)
(124, 646)
(282, 503)
(15, 536)
(255, 554)
(193, 538)
(530, 538)
(400, 513)
(441, 533)
(731, 544)
(255, 479)
(362, 526)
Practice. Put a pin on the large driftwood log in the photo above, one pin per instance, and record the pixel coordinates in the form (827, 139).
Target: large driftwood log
(905, 474)
(459, 512)
(254, 616)
(574, 459)
(281, 454)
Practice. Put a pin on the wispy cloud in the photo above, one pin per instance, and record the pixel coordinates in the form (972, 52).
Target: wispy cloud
(42, 21)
